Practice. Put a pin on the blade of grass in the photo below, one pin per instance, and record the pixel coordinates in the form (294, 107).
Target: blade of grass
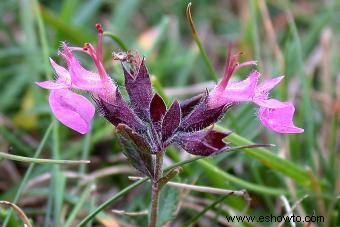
(87, 11)
(211, 206)
(13, 140)
(306, 84)
(43, 39)
(109, 201)
(254, 30)
(78, 206)
(77, 34)
(85, 154)
(68, 9)
(213, 169)
(271, 160)
(124, 11)
(58, 179)
(28, 172)
(162, 28)
(199, 44)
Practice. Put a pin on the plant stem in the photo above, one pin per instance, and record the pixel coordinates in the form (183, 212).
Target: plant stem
(41, 160)
(156, 189)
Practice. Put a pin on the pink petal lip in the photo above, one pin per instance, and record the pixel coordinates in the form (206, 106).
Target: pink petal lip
(51, 85)
(71, 109)
(280, 119)
(267, 85)
(269, 103)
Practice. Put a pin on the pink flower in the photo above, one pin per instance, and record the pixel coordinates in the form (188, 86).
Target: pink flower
(71, 109)
(274, 114)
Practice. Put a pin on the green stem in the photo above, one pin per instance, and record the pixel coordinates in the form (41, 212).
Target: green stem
(156, 189)
(115, 38)
(199, 44)
(40, 160)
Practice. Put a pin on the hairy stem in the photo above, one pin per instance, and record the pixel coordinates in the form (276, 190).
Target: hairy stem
(156, 189)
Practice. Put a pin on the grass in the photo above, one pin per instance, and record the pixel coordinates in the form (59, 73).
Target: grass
(299, 165)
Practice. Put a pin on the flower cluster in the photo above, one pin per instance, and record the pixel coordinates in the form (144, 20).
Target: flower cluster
(144, 123)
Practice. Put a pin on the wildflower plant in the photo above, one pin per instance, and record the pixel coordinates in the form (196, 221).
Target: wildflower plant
(145, 125)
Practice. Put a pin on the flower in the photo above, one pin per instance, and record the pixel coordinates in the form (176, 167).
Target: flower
(71, 109)
(145, 125)
(274, 114)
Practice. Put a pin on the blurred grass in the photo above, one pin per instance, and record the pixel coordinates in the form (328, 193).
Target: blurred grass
(303, 164)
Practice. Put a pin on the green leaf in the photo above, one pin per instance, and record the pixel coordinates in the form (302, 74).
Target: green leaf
(167, 205)
(136, 149)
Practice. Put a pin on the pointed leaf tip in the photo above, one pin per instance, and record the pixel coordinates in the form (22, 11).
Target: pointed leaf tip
(204, 143)
(157, 108)
(171, 121)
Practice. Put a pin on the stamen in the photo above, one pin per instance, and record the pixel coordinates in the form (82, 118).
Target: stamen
(98, 62)
(91, 51)
(229, 67)
(99, 28)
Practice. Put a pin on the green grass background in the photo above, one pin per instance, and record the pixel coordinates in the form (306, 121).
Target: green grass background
(298, 39)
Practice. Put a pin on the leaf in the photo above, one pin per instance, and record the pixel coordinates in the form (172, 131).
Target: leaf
(167, 205)
(136, 149)
(157, 108)
(202, 117)
(203, 143)
(171, 121)
(188, 105)
(138, 86)
(119, 113)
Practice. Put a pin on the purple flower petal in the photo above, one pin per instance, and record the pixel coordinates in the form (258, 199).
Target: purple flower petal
(279, 119)
(71, 109)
